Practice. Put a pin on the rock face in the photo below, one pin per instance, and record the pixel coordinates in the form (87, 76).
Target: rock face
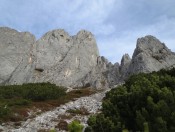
(103, 75)
(15, 51)
(125, 63)
(56, 57)
(62, 59)
(73, 61)
(151, 55)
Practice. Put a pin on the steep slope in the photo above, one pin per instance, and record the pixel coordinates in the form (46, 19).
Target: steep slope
(15, 50)
(62, 59)
(51, 119)
(73, 61)
(102, 76)
(56, 57)
(151, 55)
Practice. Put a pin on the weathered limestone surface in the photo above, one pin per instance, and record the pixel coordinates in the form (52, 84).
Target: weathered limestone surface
(73, 61)
(56, 57)
(15, 51)
(62, 59)
(102, 76)
(151, 55)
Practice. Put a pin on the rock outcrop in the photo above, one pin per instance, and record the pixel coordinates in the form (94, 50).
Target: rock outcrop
(15, 53)
(125, 63)
(103, 75)
(56, 57)
(73, 61)
(151, 55)
(62, 59)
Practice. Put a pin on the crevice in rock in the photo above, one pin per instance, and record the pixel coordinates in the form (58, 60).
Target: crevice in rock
(39, 69)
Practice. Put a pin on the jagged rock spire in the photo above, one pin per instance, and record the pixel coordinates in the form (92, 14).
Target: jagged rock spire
(73, 61)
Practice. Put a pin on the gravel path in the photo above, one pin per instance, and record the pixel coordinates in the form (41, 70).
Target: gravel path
(49, 120)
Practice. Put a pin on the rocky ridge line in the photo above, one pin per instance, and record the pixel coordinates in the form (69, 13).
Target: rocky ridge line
(73, 61)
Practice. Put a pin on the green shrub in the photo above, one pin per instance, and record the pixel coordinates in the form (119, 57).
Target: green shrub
(88, 129)
(18, 102)
(146, 102)
(22, 95)
(52, 130)
(32, 91)
(75, 126)
(4, 110)
(98, 123)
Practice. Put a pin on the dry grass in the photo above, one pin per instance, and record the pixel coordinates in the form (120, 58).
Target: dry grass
(65, 117)
(43, 130)
(21, 113)
(80, 111)
(62, 125)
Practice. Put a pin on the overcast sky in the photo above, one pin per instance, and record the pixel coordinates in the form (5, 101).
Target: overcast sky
(116, 24)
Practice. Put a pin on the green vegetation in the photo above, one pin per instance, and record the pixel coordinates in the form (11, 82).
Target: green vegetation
(16, 101)
(22, 95)
(80, 111)
(146, 102)
(52, 130)
(75, 126)
(32, 91)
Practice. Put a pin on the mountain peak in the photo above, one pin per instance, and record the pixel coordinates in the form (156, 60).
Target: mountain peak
(151, 55)
(73, 61)
(149, 44)
(125, 59)
(85, 35)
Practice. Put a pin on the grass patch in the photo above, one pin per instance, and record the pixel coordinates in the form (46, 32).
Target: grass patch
(32, 91)
(16, 101)
(18, 97)
(80, 111)
(75, 126)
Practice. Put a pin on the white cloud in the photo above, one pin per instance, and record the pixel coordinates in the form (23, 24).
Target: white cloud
(137, 19)
(70, 15)
(116, 23)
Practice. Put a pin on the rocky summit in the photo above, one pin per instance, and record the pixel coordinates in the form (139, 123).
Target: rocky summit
(73, 61)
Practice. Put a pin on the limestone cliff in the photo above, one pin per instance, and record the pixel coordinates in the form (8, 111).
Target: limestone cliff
(151, 55)
(56, 57)
(73, 61)
(15, 53)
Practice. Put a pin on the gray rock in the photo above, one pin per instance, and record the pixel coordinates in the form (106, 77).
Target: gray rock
(62, 59)
(50, 119)
(102, 76)
(73, 61)
(96, 77)
(56, 57)
(151, 55)
(15, 50)
(125, 63)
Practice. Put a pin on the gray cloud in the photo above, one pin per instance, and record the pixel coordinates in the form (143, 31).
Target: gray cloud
(116, 23)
